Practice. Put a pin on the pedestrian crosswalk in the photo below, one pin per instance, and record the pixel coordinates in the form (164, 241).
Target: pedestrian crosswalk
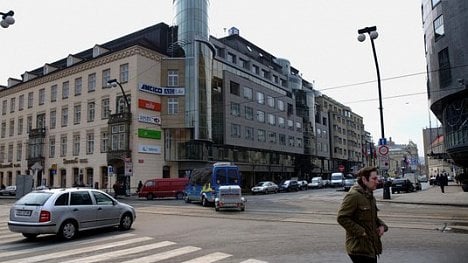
(115, 247)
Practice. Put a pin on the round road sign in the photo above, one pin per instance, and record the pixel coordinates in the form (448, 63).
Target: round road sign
(383, 149)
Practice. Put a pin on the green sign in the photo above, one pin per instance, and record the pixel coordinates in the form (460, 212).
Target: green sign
(144, 133)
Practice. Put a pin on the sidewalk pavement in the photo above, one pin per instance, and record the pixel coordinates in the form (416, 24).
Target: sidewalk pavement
(430, 195)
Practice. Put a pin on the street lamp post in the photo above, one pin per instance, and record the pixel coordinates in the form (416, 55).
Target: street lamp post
(7, 19)
(372, 31)
(127, 159)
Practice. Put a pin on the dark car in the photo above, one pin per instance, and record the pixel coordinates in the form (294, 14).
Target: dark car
(289, 186)
(402, 185)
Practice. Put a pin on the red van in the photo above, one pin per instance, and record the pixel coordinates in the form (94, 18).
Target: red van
(163, 187)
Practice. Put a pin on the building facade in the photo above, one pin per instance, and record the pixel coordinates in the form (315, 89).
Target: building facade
(446, 36)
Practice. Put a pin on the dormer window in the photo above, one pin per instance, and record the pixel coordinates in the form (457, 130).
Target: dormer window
(71, 60)
(98, 50)
(47, 69)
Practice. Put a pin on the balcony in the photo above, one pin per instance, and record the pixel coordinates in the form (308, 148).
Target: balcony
(37, 133)
(120, 117)
(118, 155)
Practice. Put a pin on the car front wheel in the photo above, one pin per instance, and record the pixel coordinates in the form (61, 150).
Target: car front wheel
(68, 230)
(126, 222)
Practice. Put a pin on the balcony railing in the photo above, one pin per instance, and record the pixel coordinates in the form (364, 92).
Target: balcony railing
(120, 117)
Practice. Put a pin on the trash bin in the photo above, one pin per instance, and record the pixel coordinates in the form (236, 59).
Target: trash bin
(386, 190)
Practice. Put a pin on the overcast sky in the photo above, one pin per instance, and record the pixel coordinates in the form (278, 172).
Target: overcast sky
(318, 37)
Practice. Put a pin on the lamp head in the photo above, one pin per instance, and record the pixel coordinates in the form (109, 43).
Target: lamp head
(373, 34)
(361, 37)
(112, 83)
(7, 19)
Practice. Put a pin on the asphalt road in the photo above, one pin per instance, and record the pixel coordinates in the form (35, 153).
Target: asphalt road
(285, 227)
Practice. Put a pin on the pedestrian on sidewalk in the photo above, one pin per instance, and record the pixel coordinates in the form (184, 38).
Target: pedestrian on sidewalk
(443, 181)
(358, 216)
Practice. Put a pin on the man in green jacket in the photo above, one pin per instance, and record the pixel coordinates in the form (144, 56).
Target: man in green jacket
(358, 216)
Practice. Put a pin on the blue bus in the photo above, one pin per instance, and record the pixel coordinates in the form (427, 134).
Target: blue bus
(204, 183)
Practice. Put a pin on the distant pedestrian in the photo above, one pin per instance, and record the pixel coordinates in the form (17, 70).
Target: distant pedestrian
(116, 187)
(140, 185)
(443, 181)
(358, 215)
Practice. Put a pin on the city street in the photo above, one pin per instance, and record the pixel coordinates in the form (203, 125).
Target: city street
(285, 227)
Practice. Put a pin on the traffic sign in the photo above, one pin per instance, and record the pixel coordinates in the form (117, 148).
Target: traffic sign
(384, 162)
(383, 149)
(341, 168)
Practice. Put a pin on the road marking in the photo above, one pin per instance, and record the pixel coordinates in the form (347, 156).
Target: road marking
(74, 251)
(123, 252)
(46, 247)
(253, 261)
(163, 255)
(213, 257)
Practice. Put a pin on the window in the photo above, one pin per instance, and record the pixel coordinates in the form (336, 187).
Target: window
(51, 146)
(172, 106)
(30, 99)
(105, 108)
(439, 30)
(21, 102)
(4, 107)
(235, 130)
(261, 135)
(10, 153)
(119, 137)
(280, 105)
(19, 151)
(77, 114)
(231, 58)
(291, 140)
(91, 82)
(102, 199)
(124, 73)
(78, 86)
(28, 123)
(290, 124)
(3, 130)
(80, 198)
(62, 200)
(63, 145)
(12, 128)
(76, 144)
(105, 77)
(172, 78)
(247, 93)
(235, 109)
(298, 126)
(53, 93)
(260, 116)
(41, 96)
(20, 126)
(104, 141)
(64, 117)
(282, 139)
(91, 112)
(299, 142)
(53, 119)
(271, 101)
(281, 122)
(244, 63)
(90, 142)
(271, 119)
(255, 69)
(435, 2)
(249, 133)
(272, 137)
(248, 112)
(65, 90)
(260, 98)
(40, 120)
(234, 87)
(13, 104)
(445, 75)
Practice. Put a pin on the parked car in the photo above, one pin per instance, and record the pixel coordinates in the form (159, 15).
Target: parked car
(348, 182)
(402, 185)
(163, 187)
(229, 196)
(65, 212)
(265, 187)
(433, 180)
(289, 186)
(326, 182)
(422, 179)
(303, 185)
(9, 190)
(414, 180)
(337, 179)
(316, 182)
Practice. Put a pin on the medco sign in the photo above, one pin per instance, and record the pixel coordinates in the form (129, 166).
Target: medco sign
(161, 90)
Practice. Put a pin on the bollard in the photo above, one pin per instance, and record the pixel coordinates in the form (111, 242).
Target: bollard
(386, 190)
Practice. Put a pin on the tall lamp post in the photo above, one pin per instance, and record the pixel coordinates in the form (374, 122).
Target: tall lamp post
(127, 159)
(7, 19)
(372, 31)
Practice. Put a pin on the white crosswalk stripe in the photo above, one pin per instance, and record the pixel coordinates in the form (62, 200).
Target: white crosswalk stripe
(116, 247)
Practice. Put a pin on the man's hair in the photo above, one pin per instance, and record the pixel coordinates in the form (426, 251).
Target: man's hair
(365, 172)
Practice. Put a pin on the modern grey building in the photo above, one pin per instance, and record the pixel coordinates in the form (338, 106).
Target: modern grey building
(446, 45)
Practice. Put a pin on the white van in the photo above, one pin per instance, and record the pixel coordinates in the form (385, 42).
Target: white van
(337, 179)
(414, 180)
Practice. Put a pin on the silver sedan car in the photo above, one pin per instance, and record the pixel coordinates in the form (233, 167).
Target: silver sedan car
(65, 212)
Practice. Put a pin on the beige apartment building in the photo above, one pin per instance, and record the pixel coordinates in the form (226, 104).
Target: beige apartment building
(65, 125)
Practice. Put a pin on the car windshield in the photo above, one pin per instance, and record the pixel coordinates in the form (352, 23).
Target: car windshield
(336, 177)
(261, 184)
(315, 179)
(34, 199)
(399, 181)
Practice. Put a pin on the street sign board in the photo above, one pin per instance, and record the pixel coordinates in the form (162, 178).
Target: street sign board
(383, 149)
(384, 162)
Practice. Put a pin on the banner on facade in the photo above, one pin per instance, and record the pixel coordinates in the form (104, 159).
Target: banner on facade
(152, 149)
(161, 90)
(149, 105)
(149, 119)
(150, 134)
